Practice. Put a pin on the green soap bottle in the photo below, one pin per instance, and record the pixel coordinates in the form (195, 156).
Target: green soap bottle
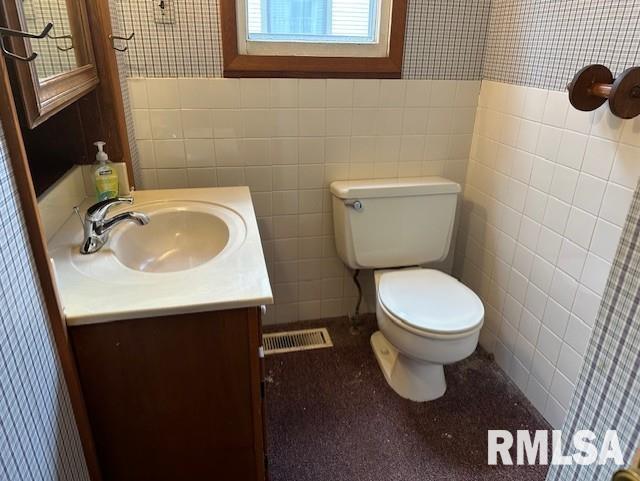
(106, 177)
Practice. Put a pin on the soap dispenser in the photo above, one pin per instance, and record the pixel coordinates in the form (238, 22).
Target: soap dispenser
(106, 177)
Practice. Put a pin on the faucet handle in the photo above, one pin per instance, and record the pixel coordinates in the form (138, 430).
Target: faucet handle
(97, 212)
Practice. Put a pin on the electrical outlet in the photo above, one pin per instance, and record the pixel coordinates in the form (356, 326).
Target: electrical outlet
(163, 13)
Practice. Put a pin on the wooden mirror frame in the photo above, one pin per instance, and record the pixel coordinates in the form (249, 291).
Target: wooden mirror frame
(41, 100)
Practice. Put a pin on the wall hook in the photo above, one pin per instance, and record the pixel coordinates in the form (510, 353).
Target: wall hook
(594, 85)
(126, 39)
(59, 37)
(7, 32)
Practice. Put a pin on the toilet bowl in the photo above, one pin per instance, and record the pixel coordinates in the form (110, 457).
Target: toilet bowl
(426, 319)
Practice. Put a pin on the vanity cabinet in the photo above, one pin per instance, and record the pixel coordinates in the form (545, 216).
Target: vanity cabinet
(175, 398)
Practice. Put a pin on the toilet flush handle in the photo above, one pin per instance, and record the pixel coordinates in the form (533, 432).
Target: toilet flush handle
(354, 204)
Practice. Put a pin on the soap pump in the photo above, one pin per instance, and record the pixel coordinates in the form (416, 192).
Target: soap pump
(106, 177)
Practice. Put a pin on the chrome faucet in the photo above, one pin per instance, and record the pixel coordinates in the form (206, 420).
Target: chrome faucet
(97, 228)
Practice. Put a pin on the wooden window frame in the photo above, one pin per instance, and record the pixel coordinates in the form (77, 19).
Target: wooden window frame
(239, 65)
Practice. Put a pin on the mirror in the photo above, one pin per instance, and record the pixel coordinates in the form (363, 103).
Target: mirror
(56, 52)
(64, 69)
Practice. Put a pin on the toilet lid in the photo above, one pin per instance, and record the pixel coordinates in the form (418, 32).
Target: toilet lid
(430, 300)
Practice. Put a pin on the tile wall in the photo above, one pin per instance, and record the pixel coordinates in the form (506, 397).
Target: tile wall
(547, 192)
(287, 140)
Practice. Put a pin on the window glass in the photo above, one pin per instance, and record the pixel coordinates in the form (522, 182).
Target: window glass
(319, 21)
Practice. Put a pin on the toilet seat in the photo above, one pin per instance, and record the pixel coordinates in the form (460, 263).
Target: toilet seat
(429, 302)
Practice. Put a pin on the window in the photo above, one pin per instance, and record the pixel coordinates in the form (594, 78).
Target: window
(313, 38)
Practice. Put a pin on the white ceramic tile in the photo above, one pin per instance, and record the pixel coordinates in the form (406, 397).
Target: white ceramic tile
(202, 177)
(312, 93)
(580, 227)
(589, 193)
(564, 183)
(599, 157)
(595, 273)
(311, 150)
(577, 335)
(556, 107)
(197, 124)
(228, 152)
(561, 389)
(549, 344)
(626, 166)
(195, 93)
(417, 94)
(337, 149)
(147, 156)
(312, 122)
(172, 178)
(255, 152)
(225, 93)
(230, 176)
(366, 93)
(138, 93)
(586, 305)
(283, 93)
(615, 204)
(392, 93)
(542, 370)
(605, 240)
(165, 124)
(169, 153)
(142, 124)
(572, 149)
(339, 93)
(284, 151)
(443, 93)
(163, 93)
(339, 122)
(284, 122)
(571, 259)
(199, 152)
(569, 363)
(555, 413)
(549, 142)
(227, 124)
(606, 125)
(254, 93)
(257, 123)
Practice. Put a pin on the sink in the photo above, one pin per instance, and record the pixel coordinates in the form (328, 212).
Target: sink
(179, 237)
(200, 252)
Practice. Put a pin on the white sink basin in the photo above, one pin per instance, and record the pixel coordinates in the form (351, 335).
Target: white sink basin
(179, 236)
(174, 240)
(200, 251)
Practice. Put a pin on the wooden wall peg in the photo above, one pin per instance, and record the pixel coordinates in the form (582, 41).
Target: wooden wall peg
(593, 85)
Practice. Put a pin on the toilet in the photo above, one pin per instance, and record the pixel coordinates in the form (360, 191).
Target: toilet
(426, 318)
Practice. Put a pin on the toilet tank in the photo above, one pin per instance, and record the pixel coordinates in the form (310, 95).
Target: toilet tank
(384, 223)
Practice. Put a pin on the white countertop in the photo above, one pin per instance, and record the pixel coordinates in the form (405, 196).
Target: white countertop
(97, 288)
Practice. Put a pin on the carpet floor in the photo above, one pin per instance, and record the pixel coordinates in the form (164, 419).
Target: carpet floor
(332, 417)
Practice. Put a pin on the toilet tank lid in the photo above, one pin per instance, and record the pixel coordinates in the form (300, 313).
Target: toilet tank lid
(363, 189)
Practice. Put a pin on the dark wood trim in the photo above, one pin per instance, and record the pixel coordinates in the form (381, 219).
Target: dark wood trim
(237, 65)
(257, 380)
(43, 99)
(109, 90)
(11, 127)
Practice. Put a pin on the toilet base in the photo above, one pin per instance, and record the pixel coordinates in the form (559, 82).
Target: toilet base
(414, 380)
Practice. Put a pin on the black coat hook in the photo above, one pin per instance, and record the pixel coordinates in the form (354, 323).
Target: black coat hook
(126, 39)
(7, 32)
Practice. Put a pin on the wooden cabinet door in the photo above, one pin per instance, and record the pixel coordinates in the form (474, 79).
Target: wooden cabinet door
(175, 397)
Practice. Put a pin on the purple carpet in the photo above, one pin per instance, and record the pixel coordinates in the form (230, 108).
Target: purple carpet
(332, 417)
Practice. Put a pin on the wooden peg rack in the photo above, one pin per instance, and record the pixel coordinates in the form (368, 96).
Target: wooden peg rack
(595, 84)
